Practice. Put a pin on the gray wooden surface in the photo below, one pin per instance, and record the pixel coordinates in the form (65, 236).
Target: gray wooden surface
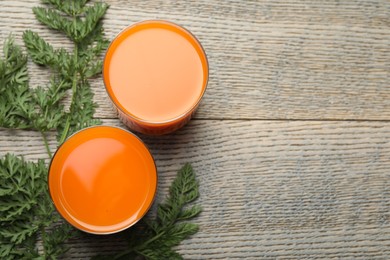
(292, 140)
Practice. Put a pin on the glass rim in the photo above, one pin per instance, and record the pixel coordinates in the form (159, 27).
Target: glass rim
(116, 230)
(177, 118)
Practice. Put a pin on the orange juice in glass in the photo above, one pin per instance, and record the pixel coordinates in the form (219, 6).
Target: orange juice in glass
(102, 179)
(156, 73)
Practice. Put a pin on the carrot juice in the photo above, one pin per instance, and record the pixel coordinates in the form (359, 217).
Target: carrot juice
(102, 179)
(156, 73)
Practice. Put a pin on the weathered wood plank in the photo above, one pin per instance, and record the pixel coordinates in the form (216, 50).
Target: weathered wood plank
(270, 189)
(268, 59)
(285, 189)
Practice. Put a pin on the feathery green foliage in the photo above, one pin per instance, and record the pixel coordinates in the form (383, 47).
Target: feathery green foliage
(156, 238)
(26, 210)
(16, 99)
(71, 70)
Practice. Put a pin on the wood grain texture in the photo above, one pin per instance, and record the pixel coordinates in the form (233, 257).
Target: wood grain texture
(269, 188)
(268, 59)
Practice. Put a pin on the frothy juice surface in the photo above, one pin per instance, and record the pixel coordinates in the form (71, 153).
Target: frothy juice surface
(102, 179)
(155, 71)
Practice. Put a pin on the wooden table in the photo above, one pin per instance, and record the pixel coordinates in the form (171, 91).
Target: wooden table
(291, 142)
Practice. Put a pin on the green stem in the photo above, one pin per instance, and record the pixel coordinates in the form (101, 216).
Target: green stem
(58, 88)
(74, 84)
(46, 145)
(74, 89)
(65, 132)
(153, 239)
(43, 234)
(128, 251)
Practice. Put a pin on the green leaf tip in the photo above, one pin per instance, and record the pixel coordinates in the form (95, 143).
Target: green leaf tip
(26, 210)
(157, 238)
